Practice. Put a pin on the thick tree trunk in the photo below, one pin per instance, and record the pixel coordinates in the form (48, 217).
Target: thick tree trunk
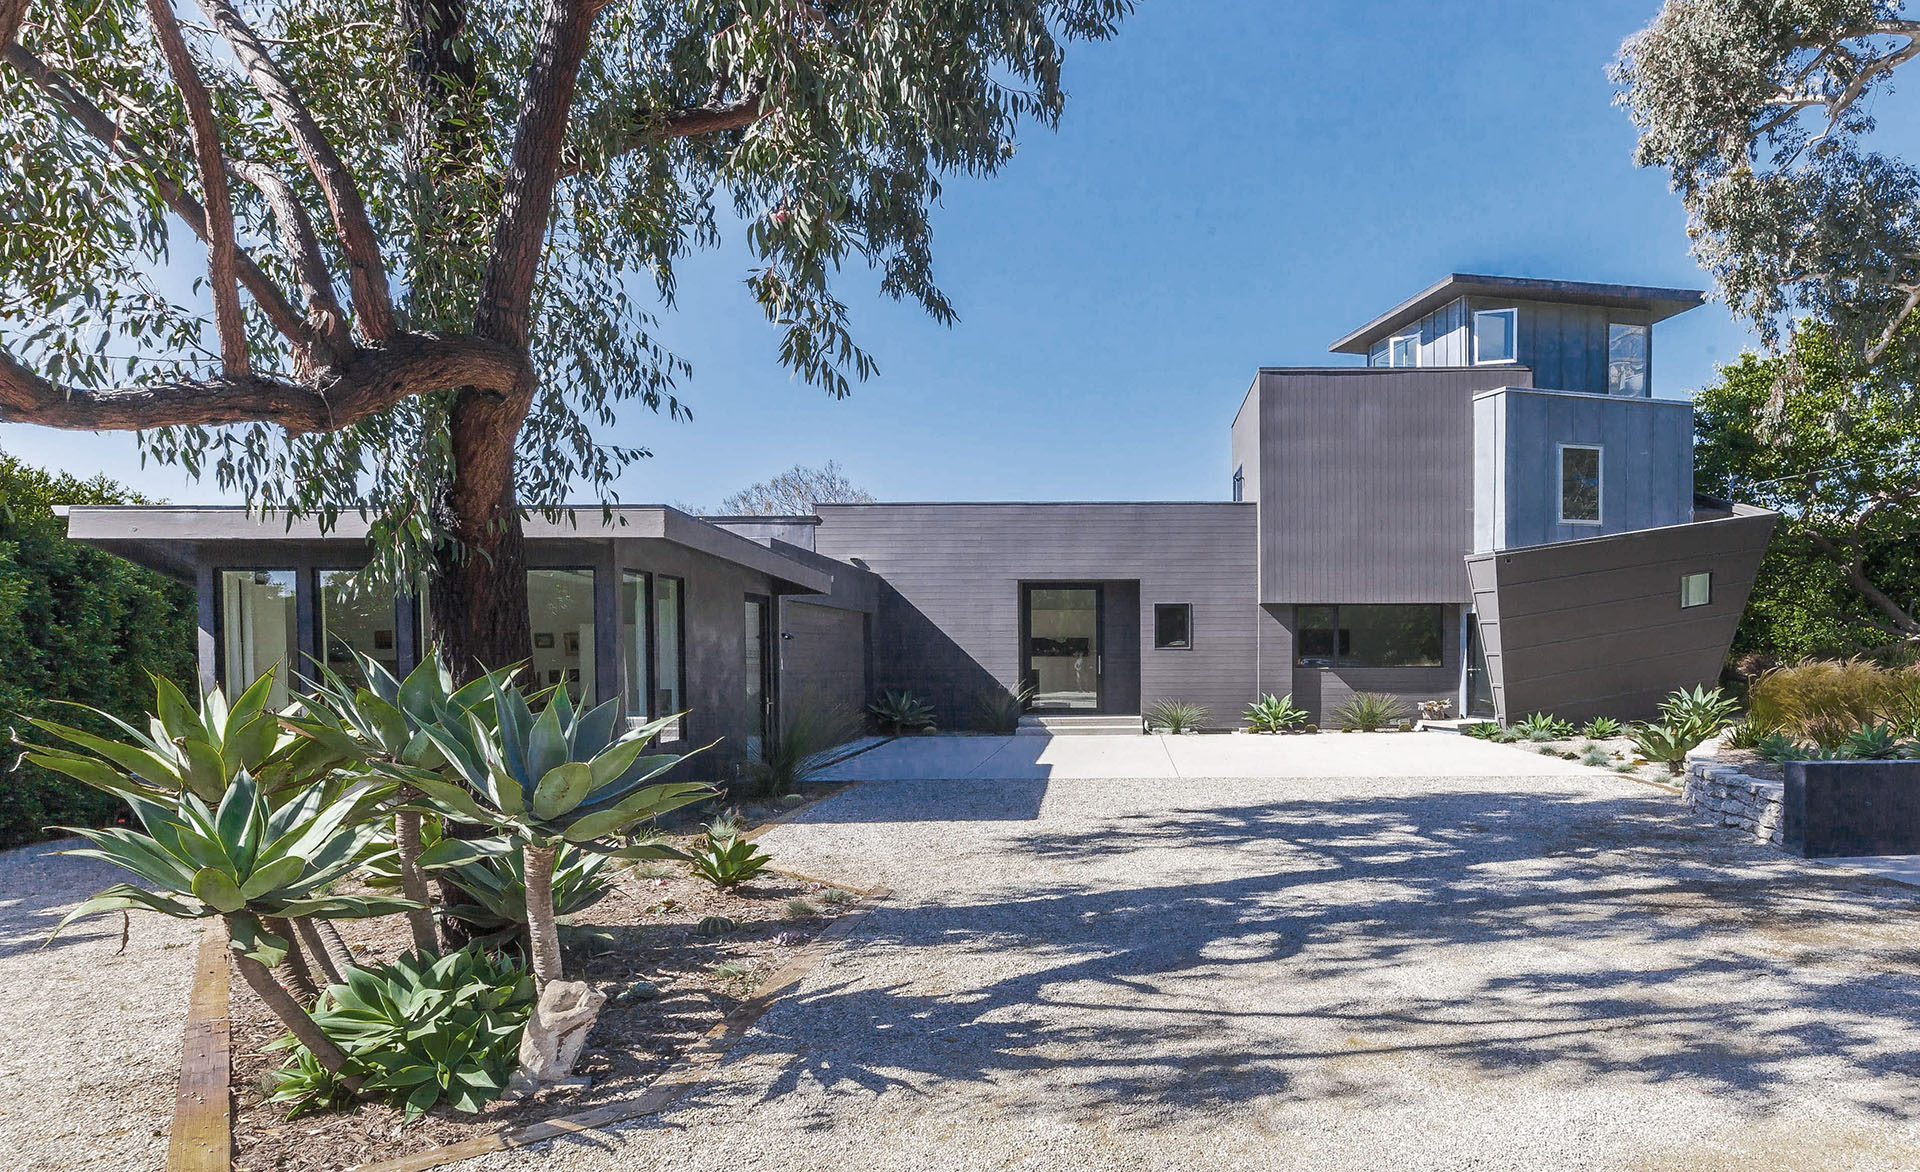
(294, 1017)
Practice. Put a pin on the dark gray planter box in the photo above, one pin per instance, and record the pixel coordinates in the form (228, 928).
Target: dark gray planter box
(1835, 809)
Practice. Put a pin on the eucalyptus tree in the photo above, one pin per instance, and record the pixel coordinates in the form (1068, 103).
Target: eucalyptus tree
(441, 235)
(1762, 112)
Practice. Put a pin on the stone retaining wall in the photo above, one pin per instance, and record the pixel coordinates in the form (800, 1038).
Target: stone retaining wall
(1747, 805)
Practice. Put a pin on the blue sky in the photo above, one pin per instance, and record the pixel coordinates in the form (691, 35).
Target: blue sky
(1233, 185)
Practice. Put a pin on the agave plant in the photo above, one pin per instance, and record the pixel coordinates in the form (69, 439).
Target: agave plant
(495, 878)
(198, 750)
(1370, 712)
(1701, 708)
(1176, 716)
(1601, 728)
(1668, 742)
(726, 861)
(1543, 727)
(245, 862)
(386, 721)
(565, 776)
(1875, 742)
(798, 750)
(901, 712)
(1273, 714)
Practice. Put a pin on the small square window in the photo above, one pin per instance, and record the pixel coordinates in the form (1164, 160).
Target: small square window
(1172, 626)
(1580, 471)
(1696, 589)
(1493, 331)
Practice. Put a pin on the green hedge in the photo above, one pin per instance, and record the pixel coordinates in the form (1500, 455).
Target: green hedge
(75, 624)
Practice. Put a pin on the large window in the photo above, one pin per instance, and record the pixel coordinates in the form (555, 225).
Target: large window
(1404, 350)
(636, 600)
(1172, 626)
(259, 629)
(669, 653)
(1376, 635)
(1493, 335)
(560, 603)
(1580, 472)
(1239, 484)
(356, 616)
(1626, 359)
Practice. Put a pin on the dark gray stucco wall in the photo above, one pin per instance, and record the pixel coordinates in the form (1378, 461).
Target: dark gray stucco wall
(1366, 482)
(1646, 479)
(1594, 628)
(948, 619)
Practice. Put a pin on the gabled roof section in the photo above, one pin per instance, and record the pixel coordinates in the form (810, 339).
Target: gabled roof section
(1659, 303)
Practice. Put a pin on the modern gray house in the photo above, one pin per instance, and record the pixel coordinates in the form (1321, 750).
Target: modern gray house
(1488, 506)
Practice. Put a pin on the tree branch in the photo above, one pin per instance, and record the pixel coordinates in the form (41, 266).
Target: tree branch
(12, 12)
(325, 318)
(367, 274)
(1847, 557)
(533, 171)
(711, 117)
(230, 323)
(62, 93)
(372, 380)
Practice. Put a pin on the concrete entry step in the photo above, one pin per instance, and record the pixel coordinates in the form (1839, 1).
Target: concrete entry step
(1086, 726)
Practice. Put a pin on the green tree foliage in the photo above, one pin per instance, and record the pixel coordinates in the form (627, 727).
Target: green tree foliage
(1840, 460)
(78, 625)
(1762, 112)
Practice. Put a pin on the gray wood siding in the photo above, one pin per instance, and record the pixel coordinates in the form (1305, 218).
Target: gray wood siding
(1594, 628)
(1565, 345)
(823, 657)
(949, 616)
(1366, 485)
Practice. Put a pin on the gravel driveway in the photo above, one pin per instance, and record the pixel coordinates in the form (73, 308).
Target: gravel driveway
(89, 1035)
(1391, 972)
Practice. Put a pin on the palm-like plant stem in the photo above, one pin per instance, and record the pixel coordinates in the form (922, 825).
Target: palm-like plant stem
(413, 883)
(294, 1016)
(292, 974)
(321, 962)
(543, 932)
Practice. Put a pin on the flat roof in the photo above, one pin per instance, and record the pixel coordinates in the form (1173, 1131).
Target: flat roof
(153, 534)
(1660, 303)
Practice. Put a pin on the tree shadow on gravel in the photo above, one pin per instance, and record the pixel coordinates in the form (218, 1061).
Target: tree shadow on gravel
(1314, 949)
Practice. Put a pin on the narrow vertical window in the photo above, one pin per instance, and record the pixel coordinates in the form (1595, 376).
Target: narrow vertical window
(1580, 470)
(637, 659)
(560, 603)
(259, 630)
(1404, 350)
(669, 660)
(1239, 484)
(1493, 335)
(356, 615)
(1626, 359)
(1696, 589)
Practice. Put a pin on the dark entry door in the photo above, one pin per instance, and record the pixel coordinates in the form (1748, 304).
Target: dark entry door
(1479, 681)
(1060, 646)
(759, 675)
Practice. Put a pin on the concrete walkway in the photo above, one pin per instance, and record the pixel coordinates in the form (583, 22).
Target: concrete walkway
(1534, 967)
(1222, 755)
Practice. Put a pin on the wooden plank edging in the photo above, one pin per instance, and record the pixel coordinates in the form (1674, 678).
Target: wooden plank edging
(690, 1071)
(201, 1138)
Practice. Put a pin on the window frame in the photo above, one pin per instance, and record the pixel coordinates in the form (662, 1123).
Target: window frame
(1337, 660)
(1239, 484)
(1689, 577)
(1187, 609)
(681, 732)
(317, 581)
(1646, 359)
(1512, 314)
(1599, 482)
(297, 679)
(645, 627)
(587, 654)
(1413, 349)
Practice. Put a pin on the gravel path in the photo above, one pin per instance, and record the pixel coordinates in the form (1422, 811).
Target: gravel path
(1494, 972)
(89, 1036)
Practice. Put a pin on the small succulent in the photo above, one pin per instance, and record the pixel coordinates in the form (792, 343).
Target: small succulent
(1702, 709)
(1177, 716)
(1544, 727)
(901, 712)
(1601, 728)
(800, 909)
(1875, 742)
(1370, 712)
(834, 895)
(1274, 714)
(714, 926)
(1777, 747)
(1596, 756)
(1668, 742)
(727, 862)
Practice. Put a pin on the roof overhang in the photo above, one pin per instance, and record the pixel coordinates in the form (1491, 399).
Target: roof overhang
(159, 535)
(1658, 303)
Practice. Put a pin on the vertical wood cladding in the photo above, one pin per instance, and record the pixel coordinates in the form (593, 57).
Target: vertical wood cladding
(1366, 492)
(948, 620)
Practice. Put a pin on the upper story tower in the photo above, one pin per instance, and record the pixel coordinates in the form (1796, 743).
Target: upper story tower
(1573, 335)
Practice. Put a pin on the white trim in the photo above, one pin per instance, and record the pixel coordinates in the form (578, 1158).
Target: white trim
(1513, 336)
(1414, 340)
(1560, 484)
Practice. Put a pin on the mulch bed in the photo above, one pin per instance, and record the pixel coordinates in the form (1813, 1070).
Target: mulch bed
(646, 932)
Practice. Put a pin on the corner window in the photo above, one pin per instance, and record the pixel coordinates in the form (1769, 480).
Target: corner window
(1696, 589)
(1239, 484)
(1580, 468)
(1404, 350)
(1626, 359)
(1493, 334)
(1377, 353)
(259, 630)
(560, 602)
(1172, 626)
(1379, 635)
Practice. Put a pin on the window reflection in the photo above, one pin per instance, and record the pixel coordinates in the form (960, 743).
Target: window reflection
(260, 629)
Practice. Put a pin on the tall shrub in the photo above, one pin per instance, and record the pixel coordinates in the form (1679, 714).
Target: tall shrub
(80, 625)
